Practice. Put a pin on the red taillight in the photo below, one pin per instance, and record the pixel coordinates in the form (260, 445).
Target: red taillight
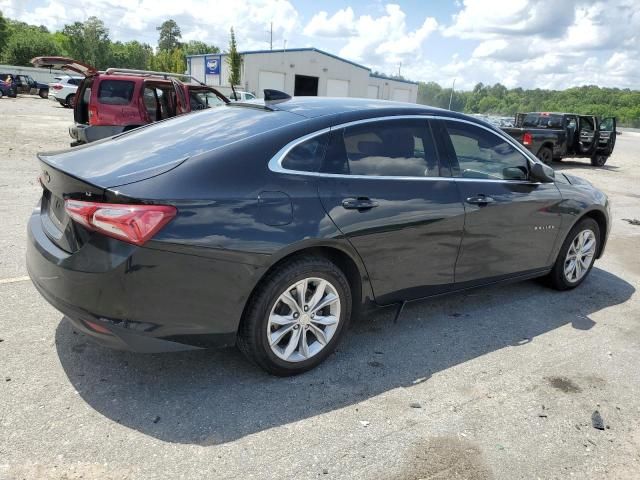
(93, 115)
(57, 86)
(527, 139)
(130, 223)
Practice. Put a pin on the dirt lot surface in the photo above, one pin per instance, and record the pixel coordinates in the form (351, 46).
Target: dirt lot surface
(493, 383)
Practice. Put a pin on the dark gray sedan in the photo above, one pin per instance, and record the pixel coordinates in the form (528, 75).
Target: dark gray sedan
(271, 225)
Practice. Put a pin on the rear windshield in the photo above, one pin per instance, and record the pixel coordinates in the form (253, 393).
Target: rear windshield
(115, 92)
(542, 120)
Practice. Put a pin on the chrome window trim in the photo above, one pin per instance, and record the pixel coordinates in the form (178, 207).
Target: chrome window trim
(275, 164)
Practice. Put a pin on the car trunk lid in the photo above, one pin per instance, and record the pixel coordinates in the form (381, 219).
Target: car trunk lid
(64, 63)
(65, 176)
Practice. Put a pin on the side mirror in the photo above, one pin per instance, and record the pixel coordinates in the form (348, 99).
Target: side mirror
(514, 173)
(542, 173)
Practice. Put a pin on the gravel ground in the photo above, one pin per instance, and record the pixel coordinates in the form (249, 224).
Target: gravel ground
(493, 383)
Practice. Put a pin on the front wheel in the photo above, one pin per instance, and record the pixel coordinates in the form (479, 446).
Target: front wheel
(296, 317)
(599, 160)
(576, 256)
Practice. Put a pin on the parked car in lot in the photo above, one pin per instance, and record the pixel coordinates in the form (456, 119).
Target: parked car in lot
(7, 88)
(26, 85)
(554, 136)
(241, 96)
(63, 90)
(8, 85)
(118, 100)
(271, 225)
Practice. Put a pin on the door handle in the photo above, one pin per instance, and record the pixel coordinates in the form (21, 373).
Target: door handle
(360, 203)
(480, 199)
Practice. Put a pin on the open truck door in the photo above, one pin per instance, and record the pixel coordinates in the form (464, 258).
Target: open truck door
(607, 138)
(587, 137)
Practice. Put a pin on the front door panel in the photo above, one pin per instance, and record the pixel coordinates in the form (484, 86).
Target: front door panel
(514, 232)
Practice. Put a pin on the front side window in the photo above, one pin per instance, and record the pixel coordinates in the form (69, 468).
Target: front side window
(115, 92)
(389, 148)
(306, 156)
(482, 154)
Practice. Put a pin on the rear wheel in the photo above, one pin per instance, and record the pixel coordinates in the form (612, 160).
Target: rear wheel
(545, 155)
(70, 100)
(599, 160)
(43, 93)
(296, 317)
(576, 256)
(1, 94)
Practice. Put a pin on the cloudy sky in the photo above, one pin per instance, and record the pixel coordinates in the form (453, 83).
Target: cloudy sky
(528, 43)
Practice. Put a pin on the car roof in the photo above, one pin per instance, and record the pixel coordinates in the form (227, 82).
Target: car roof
(313, 107)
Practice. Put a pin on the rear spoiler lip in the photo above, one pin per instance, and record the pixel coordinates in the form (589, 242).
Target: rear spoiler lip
(121, 180)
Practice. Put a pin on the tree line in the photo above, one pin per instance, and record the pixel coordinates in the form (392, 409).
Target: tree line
(89, 42)
(624, 104)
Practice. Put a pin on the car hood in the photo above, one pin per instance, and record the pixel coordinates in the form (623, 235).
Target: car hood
(574, 180)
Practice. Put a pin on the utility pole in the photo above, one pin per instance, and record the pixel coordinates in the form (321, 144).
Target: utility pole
(451, 96)
(399, 69)
(271, 37)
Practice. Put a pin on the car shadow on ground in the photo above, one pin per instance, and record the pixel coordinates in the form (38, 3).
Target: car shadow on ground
(213, 397)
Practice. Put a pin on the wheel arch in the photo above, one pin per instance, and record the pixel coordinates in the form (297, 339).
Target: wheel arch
(344, 257)
(601, 219)
(548, 145)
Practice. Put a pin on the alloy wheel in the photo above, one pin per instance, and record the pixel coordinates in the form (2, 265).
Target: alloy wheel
(303, 319)
(579, 256)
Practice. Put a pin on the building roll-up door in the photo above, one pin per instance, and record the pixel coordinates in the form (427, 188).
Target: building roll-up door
(270, 80)
(401, 95)
(372, 91)
(337, 88)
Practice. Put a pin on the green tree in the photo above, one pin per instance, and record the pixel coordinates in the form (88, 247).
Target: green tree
(22, 47)
(234, 60)
(4, 32)
(196, 47)
(88, 42)
(170, 36)
(131, 55)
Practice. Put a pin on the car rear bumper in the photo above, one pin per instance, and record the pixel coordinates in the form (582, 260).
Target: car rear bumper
(135, 298)
(90, 133)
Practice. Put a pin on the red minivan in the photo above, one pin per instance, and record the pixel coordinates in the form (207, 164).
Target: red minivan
(118, 100)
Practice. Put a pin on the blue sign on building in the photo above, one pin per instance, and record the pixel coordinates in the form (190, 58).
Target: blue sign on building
(212, 65)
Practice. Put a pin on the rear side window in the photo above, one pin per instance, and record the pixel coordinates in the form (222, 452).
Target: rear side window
(307, 156)
(390, 148)
(115, 92)
(74, 81)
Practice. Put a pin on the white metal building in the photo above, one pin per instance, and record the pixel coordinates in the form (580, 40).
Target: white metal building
(301, 71)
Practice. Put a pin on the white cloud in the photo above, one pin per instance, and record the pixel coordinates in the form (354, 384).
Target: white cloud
(340, 24)
(529, 43)
(385, 40)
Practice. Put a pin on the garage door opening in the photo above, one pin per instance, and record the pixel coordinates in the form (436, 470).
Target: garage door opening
(306, 86)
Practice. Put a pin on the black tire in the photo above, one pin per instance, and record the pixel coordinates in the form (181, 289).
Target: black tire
(557, 278)
(43, 93)
(1, 93)
(252, 338)
(599, 160)
(545, 154)
(69, 101)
